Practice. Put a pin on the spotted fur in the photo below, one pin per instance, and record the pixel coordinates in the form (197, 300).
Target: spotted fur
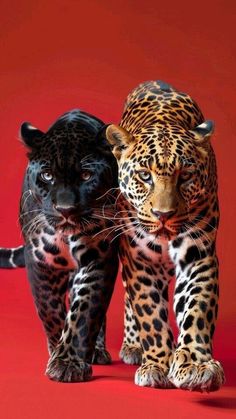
(11, 258)
(169, 211)
(66, 208)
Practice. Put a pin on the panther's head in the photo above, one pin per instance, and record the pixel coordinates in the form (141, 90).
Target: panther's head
(163, 172)
(70, 171)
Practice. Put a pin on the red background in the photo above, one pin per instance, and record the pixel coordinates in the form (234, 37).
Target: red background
(56, 56)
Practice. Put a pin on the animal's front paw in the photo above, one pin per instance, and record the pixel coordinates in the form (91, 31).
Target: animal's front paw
(207, 376)
(152, 375)
(67, 371)
(131, 355)
(101, 357)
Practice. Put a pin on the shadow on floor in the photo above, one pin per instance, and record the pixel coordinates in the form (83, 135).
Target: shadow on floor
(219, 403)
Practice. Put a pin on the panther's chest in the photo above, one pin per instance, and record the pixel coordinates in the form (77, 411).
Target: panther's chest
(53, 250)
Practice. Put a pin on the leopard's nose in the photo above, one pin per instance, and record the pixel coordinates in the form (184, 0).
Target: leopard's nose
(66, 212)
(162, 215)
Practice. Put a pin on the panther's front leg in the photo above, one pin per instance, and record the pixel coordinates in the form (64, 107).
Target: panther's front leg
(90, 294)
(49, 290)
(196, 298)
(101, 356)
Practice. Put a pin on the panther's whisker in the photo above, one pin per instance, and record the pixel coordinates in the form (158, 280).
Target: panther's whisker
(22, 214)
(26, 198)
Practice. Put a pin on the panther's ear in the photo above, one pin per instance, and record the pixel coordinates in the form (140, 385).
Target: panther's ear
(101, 139)
(30, 135)
(203, 132)
(119, 139)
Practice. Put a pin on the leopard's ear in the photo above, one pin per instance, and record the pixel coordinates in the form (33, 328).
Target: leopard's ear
(119, 139)
(30, 135)
(203, 132)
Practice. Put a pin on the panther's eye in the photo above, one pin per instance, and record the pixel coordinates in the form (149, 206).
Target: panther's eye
(145, 176)
(85, 175)
(47, 176)
(185, 175)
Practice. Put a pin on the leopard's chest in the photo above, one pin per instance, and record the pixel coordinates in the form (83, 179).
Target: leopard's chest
(146, 248)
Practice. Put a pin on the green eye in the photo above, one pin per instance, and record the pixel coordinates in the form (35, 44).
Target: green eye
(145, 176)
(47, 176)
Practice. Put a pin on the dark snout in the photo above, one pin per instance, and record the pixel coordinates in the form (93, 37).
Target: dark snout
(68, 203)
(66, 211)
(65, 202)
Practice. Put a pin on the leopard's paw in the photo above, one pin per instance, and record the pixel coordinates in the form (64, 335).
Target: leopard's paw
(101, 357)
(205, 377)
(152, 375)
(67, 371)
(131, 355)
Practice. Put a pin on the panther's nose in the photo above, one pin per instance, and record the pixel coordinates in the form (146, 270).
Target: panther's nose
(162, 215)
(66, 211)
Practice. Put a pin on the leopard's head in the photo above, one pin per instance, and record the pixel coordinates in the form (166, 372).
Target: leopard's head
(163, 172)
(70, 171)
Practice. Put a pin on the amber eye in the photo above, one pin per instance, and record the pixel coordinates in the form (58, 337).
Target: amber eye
(185, 175)
(47, 176)
(145, 176)
(85, 175)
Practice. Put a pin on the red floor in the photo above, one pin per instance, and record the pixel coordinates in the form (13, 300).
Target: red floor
(27, 393)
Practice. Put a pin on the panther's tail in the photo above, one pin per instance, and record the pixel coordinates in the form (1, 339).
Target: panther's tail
(11, 258)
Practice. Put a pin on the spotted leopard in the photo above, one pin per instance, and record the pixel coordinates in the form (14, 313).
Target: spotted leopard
(169, 205)
(65, 213)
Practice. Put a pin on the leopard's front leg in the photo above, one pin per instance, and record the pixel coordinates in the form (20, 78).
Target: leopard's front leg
(148, 292)
(131, 351)
(90, 294)
(195, 302)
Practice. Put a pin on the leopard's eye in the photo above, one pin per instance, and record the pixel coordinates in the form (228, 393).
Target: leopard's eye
(47, 176)
(85, 175)
(185, 175)
(145, 176)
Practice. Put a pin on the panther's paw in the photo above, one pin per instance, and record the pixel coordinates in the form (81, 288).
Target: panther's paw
(67, 371)
(101, 357)
(152, 375)
(207, 376)
(131, 354)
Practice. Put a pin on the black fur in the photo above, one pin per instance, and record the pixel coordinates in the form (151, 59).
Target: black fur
(68, 199)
